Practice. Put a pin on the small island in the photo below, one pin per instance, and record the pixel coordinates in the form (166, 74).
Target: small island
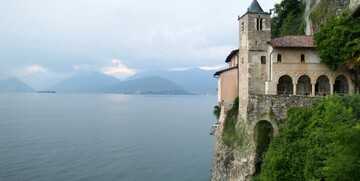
(46, 91)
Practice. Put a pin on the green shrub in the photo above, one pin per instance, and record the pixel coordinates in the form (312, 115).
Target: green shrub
(317, 143)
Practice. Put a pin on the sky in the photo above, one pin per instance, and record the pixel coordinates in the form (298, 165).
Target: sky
(45, 41)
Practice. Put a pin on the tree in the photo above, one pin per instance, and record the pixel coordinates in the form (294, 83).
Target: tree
(338, 42)
(288, 18)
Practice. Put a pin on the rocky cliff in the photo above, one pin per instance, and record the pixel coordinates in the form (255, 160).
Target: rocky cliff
(318, 11)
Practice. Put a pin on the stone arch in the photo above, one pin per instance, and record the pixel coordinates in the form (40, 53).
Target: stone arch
(285, 85)
(303, 86)
(263, 133)
(322, 86)
(341, 85)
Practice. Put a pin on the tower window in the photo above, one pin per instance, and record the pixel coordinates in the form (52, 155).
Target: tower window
(263, 60)
(242, 26)
(279, 58)
(259, 23)
(302, 58)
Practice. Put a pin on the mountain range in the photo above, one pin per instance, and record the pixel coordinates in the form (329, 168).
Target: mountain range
(194, 81)
(13, 84)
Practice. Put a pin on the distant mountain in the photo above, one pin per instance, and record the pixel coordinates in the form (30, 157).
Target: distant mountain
(195, 80)
(146, 85)
(13, 84)
(85, 83)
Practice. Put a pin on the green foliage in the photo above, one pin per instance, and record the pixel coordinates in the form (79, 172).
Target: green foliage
(217, 111)
(320, 11)
(317, 143)
(230, 135)
(338, 42)
(288, 18)
(271, 113)
(324, 10)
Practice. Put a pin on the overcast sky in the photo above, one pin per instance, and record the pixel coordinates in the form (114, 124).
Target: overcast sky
(42, 41)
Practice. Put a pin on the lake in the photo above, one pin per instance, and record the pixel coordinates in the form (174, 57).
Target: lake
(105, 137)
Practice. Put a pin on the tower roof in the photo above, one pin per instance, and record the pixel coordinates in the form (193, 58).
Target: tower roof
(255, 7)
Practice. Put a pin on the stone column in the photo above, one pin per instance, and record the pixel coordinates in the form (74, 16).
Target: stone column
(331, 88)
(294, 89)
(313, 89)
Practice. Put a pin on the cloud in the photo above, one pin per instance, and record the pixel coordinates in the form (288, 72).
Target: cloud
(35, 69)
(179, 69)
(212, 67)
(215, 67)
(118, 70)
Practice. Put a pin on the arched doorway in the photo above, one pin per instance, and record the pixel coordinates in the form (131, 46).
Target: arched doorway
(263, 133)
(322, 86)
(341, 85)
(303, 86)
(285, 85)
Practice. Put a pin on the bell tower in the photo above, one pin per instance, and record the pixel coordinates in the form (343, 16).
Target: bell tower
(254, 34)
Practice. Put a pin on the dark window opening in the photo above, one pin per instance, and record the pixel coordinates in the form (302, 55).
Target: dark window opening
(259, 25)
(322, 86)
(302, 58)
(285, 85)
(263, 60)
(341, 85)
(242, 26)
(278, 57)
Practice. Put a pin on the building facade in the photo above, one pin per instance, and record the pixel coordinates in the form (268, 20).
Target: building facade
(284, 65)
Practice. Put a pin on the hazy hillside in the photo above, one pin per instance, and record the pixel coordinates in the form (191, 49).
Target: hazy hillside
(13, 84)
(85, 82)
(147, 85)
(196, 81)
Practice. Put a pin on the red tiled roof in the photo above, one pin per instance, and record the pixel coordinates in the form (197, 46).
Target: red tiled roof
(293, 42)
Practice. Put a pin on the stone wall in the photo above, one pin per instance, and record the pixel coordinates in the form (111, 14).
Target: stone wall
(238, 162)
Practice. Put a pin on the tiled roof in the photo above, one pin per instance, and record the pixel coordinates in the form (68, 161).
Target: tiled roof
(293, 42)
(225, 70)
(234, 52)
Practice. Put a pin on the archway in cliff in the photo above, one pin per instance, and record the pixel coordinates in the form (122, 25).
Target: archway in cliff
(285, 85)
(322, 86)
(341, 85)
(303, 86)
(263, 133)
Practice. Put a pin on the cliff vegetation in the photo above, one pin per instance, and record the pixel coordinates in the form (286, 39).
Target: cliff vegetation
(317, 143)
(288, 18)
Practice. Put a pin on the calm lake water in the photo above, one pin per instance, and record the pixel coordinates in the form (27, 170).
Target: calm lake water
(105, 137)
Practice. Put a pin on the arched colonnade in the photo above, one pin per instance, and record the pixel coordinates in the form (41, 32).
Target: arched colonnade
(315, 86)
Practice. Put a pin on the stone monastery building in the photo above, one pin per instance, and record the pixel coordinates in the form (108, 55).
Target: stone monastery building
(268, 75)
(284, 65)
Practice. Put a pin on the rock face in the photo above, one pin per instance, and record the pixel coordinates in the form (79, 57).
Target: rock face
(332, 8)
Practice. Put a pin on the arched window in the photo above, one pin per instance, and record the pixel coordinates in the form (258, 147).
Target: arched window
(341, 85)
(285, 85)
(303, 86)
(322, 86)
(279, 58)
